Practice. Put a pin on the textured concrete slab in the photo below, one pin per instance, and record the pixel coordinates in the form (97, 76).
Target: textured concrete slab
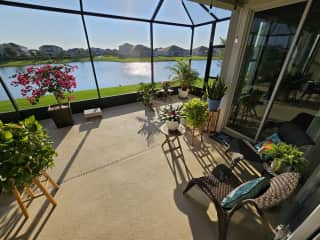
(119, 182)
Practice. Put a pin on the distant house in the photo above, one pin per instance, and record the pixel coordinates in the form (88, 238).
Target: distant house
(200, 51)
(171, 51)
(125, 49)
(13, 50)
(34, 52)
(50, 50)
(76, 52)
(112, 52)
(97, 51)
(140, 51)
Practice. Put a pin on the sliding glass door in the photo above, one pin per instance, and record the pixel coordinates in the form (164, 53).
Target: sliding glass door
(269, 40)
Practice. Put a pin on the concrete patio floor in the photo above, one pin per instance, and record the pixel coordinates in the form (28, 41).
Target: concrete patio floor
(119, 182)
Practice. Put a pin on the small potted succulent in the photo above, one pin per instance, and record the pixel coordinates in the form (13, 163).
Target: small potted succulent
(49, 79)
(215, 90)
(196, 111)
(146, 91)
(166, 86)
(172, 116)
(25, 151)
(286, 157)
(187, 76)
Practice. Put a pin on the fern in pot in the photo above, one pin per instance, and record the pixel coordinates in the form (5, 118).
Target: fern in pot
(215, 90)
(25, 151)
(196, 111)
(185, 75)
(286, 157)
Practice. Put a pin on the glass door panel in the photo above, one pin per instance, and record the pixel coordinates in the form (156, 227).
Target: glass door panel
(269, 40)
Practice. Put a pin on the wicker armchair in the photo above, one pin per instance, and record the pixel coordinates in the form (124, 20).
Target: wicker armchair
(280, 189)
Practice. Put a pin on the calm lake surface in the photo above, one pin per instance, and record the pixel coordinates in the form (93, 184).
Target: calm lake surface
(112, 74)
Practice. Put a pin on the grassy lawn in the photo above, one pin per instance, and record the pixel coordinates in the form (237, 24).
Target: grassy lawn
(5, 106)
(20, 63)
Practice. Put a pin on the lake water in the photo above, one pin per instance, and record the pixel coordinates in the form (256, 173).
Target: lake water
(111, 74)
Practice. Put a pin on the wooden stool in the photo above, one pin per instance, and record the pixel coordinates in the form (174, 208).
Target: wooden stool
(213, 118)
(28, 190)
(195, 134)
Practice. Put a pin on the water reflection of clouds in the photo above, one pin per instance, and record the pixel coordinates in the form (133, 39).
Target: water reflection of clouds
(138, 69)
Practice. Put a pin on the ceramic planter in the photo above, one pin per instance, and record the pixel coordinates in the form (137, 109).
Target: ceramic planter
(61, 115)
(183, 93)
(213, 105)
(172, 125)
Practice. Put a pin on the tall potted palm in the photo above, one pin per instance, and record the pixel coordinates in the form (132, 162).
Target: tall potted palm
(215, 90)
(57, 80)
(185, 75)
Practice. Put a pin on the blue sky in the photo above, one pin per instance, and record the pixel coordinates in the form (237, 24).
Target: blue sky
(33, 28)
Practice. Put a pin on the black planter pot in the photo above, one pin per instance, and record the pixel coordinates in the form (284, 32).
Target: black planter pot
(62, 116)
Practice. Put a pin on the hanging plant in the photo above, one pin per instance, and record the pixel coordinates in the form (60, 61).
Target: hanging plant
(25, 150)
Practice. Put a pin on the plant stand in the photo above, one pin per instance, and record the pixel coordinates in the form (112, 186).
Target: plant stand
(213, 118)
(196, 132)
(29, 191)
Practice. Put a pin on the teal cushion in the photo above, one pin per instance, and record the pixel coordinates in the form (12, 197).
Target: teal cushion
(247, 190)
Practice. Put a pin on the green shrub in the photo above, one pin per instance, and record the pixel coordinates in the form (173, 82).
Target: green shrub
(286, 156)
(196, 111)
(183, 73)
(25, 150)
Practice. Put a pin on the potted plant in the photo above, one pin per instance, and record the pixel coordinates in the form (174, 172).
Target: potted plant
(215, 90)
(184, 74)
(166, 86)
(25, 151)
(196, 111)
(146, 91)
(49, 79)
(286, 157)
(172, 116)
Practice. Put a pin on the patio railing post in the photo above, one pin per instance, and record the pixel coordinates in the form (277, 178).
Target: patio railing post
(191, 44)
(210, 52)
(89, 49)
(151, 53)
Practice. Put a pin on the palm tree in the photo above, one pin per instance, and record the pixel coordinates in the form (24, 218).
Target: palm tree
(183, 73)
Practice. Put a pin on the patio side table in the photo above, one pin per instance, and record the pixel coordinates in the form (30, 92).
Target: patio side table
(172, 136)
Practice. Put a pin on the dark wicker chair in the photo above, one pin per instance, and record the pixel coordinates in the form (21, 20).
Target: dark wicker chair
(280, 189)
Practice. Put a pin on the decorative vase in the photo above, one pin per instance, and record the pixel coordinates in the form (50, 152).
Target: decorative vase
(213, 105)
(183, 93)
(172, 125)
(61, 115)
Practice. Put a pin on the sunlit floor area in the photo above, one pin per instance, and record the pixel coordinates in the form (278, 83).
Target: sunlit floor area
(118, 181)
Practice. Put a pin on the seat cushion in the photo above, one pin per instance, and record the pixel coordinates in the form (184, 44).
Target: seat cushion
(247, 190)
(274, 138)
(293, 134)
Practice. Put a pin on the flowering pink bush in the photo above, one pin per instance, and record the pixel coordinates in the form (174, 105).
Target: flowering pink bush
(37, 81)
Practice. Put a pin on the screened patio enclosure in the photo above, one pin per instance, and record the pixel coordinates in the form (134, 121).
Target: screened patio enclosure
(115, 45)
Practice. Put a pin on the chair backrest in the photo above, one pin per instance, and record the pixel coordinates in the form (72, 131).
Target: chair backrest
(281, 187)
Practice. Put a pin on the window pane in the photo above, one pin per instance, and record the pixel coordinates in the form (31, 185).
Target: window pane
(173, 11)
(68, 4)
(22, 46)
(171, 43)
(128, 8)
(125, 61)
(198, 14)
(200, 50)
(5, 104)
(221, 13)
(221, 32)
(262, 62)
